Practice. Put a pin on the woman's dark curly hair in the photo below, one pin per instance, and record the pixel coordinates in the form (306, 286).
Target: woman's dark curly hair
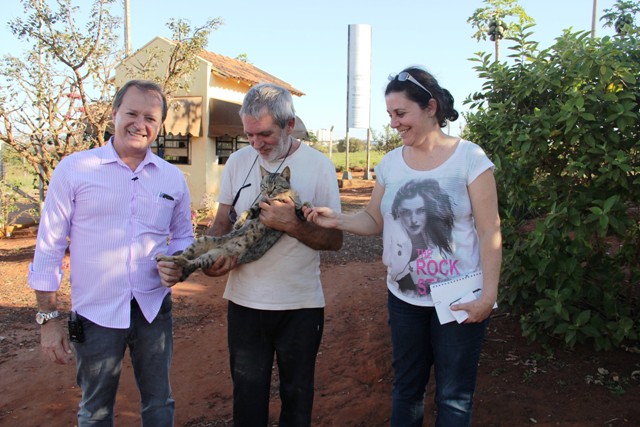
(444, 112)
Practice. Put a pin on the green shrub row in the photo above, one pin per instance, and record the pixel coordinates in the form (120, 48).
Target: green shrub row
(562, 126)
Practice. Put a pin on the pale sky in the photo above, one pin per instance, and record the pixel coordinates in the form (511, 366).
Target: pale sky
(305, 42)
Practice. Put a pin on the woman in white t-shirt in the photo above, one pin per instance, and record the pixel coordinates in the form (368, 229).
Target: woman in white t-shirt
(455, 232)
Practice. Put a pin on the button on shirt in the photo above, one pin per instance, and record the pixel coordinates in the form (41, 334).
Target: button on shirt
(117, 220)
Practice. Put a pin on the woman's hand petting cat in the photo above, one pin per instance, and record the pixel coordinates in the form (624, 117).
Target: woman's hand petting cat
(221, 266)
(324, 217)
(169, 273)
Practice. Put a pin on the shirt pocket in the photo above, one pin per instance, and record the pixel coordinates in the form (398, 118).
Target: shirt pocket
(156, 212)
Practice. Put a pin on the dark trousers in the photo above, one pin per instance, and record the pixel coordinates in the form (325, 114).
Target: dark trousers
(99, 362)
(419, 342)
(255, 336)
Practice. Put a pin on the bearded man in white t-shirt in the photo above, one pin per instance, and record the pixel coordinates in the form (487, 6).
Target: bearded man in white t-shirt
(276, 303)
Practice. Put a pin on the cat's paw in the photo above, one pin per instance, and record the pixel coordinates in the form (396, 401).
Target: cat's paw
(300, 213)
(204, 262)
(246, 216)
(176, 259)
(161, 257)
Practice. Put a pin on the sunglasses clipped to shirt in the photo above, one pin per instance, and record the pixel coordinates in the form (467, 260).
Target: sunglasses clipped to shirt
(404, 76)
(233, 214)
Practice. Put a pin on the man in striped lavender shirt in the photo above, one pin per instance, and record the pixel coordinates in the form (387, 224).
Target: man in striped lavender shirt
(118, 206)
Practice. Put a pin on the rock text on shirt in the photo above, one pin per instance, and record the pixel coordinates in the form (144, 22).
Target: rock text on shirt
(428, 269)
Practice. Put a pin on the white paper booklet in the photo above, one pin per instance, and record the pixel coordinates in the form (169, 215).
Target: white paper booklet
(456, 291)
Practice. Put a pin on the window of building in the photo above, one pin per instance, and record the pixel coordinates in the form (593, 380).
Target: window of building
(225, 145)
(175, 149)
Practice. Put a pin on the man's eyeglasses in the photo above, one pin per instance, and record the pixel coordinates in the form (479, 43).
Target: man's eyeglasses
(404, 76)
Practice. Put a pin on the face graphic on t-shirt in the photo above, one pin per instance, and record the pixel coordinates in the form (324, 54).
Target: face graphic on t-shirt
(413, 215)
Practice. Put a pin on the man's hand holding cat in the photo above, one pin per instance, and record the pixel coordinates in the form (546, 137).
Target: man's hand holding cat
(169, 273)
(279, 214)
(222, 266)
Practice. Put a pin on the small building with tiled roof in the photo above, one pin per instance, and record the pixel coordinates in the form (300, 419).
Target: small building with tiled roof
(203, 126)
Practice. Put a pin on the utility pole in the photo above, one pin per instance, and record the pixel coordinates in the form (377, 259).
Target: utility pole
(367, 172)
(330, 141)
(127, 29)
(594, 18)
(346, 174)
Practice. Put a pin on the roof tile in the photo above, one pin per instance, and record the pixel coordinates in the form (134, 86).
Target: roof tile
(244, 71)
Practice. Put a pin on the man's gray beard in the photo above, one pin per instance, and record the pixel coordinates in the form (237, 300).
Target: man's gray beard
(281, 151)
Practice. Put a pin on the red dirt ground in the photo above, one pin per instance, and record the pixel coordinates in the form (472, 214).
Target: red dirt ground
(519, 384)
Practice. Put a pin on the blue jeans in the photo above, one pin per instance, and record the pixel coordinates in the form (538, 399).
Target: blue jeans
(99, 362)
(419, 342)
(254, 337)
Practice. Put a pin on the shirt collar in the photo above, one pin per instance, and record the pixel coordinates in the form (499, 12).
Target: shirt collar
(109, 155)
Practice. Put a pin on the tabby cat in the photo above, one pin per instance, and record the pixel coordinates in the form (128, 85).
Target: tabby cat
(250, 238)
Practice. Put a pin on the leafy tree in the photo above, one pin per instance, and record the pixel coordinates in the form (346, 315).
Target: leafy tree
(562, 126)
(62, 86)
(243, 57)
(174, 73)
(312, 138)
(355, 144)
(386, 140)
(622, 16)
(492, 21)
(57, 99)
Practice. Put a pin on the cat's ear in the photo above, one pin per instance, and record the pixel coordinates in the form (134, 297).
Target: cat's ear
(263, 171)
(286, 173)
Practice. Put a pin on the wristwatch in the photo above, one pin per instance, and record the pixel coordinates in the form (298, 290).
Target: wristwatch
(42, 318)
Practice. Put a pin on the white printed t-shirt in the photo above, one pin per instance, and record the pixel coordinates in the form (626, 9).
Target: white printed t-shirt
(287, 277)
(412, 266)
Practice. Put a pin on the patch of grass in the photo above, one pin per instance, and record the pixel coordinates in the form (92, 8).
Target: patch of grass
(359, 158)
(17, 172)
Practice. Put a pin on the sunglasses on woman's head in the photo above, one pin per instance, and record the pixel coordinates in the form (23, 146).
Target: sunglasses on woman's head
(404, 76)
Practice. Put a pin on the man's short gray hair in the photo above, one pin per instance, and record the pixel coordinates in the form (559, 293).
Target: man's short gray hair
(276, 99)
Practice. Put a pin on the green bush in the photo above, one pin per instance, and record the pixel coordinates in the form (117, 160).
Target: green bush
(562, 126)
